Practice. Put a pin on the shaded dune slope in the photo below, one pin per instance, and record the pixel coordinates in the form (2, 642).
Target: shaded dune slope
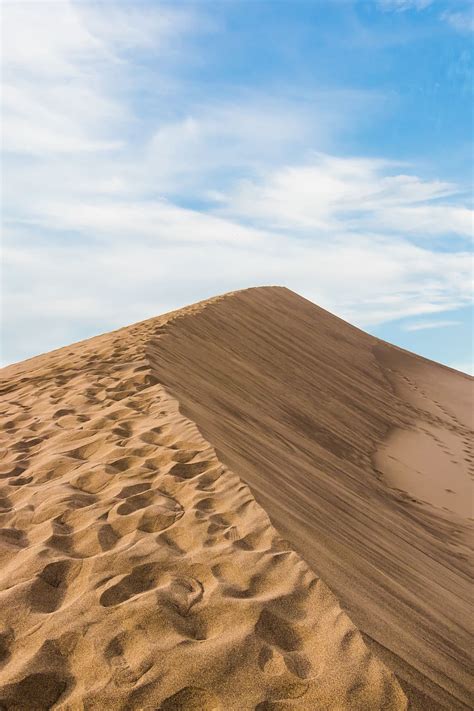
(321, 421)
(137, 571)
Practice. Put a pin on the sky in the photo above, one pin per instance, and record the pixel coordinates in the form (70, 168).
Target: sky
(158, 153)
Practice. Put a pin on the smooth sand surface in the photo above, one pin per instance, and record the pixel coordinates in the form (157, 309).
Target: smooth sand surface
(361, 454)
(137, 571)
(437, 457)
(432, 460)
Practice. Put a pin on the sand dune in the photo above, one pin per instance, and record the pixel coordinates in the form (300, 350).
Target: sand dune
(138, 571)
(360, 453)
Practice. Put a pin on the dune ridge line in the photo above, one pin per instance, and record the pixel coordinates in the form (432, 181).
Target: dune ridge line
(360, 452)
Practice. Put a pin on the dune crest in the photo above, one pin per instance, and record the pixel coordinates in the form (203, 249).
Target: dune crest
(361, 454)
(137, 571)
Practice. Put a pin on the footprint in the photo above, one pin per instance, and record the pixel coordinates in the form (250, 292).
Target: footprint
(192, 698)
(185, 593)
(51, 584)
(252, 541)
(132, 490)
(26, 444)
(206, 505)
(20, 481)
(277, 631)
(153, 436)
(232, 534)
(142, 579)
(94, 480)
(204, 508)
(275, 706)
(230, 574)
(6, 640)
(125, 463)
(123, 430)
(36, 692)
(188, 471)
(221, 520)
(122, 672)
(270, 661)
(180, 597)
(206, 482)
(13, 537)
(352, 642)
(285, 687)
(134, 503)
(107, 537)
(80, 501)
(184, 456)
(298, 664)
(85, 451)
(62, 413)
(167, 541)
(161, 515)
(11, 473)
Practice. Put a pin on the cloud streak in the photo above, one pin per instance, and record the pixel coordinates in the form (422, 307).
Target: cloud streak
(404, 5)
(426, 325)
(462, 20)
(332, 193)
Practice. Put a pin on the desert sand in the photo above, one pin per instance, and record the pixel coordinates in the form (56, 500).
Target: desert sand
(244, 504)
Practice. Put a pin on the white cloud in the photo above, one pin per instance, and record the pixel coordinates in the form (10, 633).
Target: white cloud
(403, 5)
(426, 220)
(32, 47)
(147, 221)
(61, 119)
(155, 26)
(68, 38)
(461, 20)
(424, 325)
(331, 193)
(62, 68)
(105, 282)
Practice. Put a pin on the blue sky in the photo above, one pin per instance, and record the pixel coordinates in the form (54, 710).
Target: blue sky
(159, 153)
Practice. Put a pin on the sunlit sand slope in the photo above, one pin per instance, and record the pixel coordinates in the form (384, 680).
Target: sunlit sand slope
(360, 453)
(137, 570)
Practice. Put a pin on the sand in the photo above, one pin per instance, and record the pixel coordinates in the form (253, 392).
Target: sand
(195, 514)
(301, 404)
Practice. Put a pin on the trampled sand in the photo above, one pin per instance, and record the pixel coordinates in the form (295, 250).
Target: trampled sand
(149, 475)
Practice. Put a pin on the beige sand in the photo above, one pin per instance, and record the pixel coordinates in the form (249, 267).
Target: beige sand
(299, 404)
(137, 571)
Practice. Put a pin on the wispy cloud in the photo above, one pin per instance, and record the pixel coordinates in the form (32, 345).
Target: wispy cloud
(62, 63)
(460, 15)
(424, 325)
(357, 194)
(461, 20)
(403, 5)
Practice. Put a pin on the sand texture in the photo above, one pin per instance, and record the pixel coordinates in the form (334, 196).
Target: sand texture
(360, 453)
(147, 478)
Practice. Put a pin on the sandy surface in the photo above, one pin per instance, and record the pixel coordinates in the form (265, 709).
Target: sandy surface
(430, 463)
(433, 457)
(360, 453)
(137, 571)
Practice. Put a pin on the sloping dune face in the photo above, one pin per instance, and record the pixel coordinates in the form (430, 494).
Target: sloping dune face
(137, 571)
(359, 452)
